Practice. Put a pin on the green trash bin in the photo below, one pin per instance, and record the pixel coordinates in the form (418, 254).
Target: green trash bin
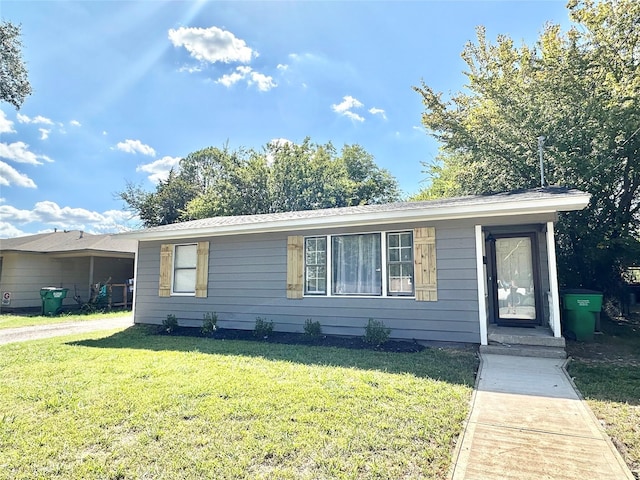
(581, 309)
(52, 298)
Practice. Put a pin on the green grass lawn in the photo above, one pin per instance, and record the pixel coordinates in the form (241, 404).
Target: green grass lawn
(12, 321)
(607, 373)
(133, 405)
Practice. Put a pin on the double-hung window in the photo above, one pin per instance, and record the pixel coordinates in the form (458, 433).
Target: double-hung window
(184, 269)
(400, 263)
(315, 252)
(370, 264)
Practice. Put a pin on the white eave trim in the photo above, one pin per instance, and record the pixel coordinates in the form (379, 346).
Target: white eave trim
(429, 213)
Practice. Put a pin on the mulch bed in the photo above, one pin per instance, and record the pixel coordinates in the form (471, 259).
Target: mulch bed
(356, 343)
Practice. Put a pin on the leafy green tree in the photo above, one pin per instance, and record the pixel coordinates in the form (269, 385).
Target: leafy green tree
(228, 182)
(306, 177)
(367, 184)
(164, 206)
(282, 177)
(14, 82)
(581, 91)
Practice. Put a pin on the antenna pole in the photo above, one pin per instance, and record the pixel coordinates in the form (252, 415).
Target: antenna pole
(540, 145)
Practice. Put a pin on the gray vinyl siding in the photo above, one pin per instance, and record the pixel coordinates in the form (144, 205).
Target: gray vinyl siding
(247, 279)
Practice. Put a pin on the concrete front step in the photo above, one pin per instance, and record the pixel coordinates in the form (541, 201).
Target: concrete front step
(524, 350)
(522, 336)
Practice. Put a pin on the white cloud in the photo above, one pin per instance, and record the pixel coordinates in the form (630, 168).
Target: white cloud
(75, 123)
(344, 108)
(8, 230)
(135, 146)
(211, 44)
(282, 66)
(190, 69)
(50, 213)
(264, 83)
(235, 77)
(6, 125)
(10, 176)
(159, 169)
(37, 119)
(378, 111)
(19, 152)
(353, 116)
(44, 133)
(280, 142)
(348, 102)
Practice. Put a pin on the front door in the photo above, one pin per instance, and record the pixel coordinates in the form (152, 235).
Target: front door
(514, 292)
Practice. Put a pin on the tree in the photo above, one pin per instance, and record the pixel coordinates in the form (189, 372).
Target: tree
(281, 178)
(581, 91)
(14, 84)
(164, 206)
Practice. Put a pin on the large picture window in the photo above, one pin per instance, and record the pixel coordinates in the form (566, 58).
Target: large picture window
(367, 264)
(184, 269)
(356, 265)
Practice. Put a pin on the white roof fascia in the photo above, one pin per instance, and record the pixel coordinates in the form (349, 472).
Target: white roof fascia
(432, 213)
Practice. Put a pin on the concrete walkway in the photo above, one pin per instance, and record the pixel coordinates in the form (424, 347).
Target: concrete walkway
(528, 422)
(22, 334)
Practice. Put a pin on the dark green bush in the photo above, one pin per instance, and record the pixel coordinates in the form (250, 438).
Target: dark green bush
(263, 328)
(312, 329)
(209, 323)
(170, 323)
(376, 333)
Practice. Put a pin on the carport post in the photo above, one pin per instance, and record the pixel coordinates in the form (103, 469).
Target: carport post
(90, 274)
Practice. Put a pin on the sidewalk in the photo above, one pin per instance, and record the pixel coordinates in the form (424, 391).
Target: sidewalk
(22, 334)
(527, 422)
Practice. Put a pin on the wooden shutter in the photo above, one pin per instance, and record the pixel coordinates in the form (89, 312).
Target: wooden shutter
(166, 264)
(425, 272)
(295, 266)
(202, 269)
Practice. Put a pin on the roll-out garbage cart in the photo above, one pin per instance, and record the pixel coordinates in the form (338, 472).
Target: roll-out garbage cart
(52, 298)
(581, 310)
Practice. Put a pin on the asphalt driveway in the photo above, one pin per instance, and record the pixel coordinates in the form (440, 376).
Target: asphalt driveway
(23, 334)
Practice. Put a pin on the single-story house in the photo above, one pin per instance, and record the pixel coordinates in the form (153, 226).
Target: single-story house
(440, 270)
(66, 259)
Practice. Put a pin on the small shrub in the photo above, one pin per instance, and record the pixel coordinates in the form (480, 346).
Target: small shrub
(209, 323)
(170, 323)
(263, 328)
(375, 333)
(312, 329)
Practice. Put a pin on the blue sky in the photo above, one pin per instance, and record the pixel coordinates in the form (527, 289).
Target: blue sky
(123, 90)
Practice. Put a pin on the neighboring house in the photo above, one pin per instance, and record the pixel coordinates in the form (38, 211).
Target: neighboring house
(68, 259)
(439, 270)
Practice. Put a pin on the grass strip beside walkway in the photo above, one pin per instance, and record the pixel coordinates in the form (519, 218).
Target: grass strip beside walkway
(607, 373)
